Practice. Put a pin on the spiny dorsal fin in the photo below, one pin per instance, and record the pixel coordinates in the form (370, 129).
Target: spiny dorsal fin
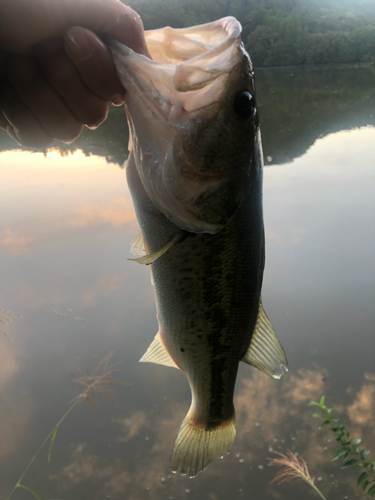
(151, 257)
(265, 351)
(156, 353)
(137, 246)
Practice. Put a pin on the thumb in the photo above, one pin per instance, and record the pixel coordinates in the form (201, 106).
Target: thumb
(24, 23)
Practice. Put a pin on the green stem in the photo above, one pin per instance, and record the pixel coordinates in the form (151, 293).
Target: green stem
(318, 491)
(76, 402)
(79, 399)
(368, 469)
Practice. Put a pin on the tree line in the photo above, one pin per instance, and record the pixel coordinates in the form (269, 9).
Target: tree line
(296, 107)
(280, 32)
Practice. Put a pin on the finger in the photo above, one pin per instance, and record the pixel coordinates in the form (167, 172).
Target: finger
(37, 94)
(22, 122)
(42, 19)
(61, 74)
(94, 62)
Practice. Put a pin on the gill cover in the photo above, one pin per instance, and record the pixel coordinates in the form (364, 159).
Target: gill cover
(193, 121)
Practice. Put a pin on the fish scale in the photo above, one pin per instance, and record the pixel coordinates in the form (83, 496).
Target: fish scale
(210, 284)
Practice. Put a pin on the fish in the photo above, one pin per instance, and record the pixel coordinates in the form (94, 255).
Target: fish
(195, 177)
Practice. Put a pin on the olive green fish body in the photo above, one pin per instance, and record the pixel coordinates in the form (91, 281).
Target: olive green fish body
(195, 176)
(207, 290)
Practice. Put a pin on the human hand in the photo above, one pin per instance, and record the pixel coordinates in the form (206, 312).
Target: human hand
(56, 74)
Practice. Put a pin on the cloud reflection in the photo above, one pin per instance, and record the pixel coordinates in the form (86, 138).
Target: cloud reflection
(14, 243)
(270, 415)
(49, 198)
(103, 286)
(132, 426)
(118, 213)
(15, 418)
(362, 411)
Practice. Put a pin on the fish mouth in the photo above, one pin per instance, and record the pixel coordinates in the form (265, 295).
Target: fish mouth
(183, 61)
(181, 88)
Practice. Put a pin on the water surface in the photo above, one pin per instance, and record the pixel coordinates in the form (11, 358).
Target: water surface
(66, 226)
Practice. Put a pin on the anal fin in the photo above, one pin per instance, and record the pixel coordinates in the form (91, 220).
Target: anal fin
(156, 353)
(265, 351)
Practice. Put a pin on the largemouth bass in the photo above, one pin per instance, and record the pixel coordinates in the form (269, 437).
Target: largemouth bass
(195, 175)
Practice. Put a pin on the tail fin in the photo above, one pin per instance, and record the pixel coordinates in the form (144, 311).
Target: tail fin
(196, 447)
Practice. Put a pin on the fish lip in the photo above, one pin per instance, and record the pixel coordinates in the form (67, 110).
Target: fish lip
(186, 73)
(229, 25)
(161, 88)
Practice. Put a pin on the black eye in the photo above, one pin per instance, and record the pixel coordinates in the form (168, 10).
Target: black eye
(244, 104)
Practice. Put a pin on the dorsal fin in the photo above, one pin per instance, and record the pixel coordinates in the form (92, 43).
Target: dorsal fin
(265, 351)
(156, 353)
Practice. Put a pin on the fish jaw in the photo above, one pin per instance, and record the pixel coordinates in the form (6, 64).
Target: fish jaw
(191, 149)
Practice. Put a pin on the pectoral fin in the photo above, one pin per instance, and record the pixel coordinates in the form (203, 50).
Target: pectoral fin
(151, 257)
(265, 351)
(156, 353)
(137, 246)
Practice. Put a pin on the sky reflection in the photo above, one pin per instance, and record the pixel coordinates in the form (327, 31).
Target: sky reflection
(66, 228)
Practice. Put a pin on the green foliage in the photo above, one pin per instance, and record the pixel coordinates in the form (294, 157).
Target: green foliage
(348, 448)
(280, 32)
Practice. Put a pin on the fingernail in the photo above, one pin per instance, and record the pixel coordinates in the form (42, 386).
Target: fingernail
(92, 127)
(77, 43)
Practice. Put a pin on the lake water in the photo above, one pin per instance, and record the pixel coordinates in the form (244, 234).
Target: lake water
(66, 226)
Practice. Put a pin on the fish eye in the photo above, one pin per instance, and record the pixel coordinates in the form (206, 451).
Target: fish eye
(244, 104)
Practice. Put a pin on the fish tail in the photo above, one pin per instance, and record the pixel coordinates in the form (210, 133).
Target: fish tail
(196, 446)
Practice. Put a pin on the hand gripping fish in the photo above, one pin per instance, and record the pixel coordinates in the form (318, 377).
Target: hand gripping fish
(195, 175)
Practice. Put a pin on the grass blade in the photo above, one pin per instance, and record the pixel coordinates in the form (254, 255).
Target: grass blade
(293, 467)
(29, 489)
(52, 441)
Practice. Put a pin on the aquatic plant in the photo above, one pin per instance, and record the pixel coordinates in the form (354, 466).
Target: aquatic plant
(100, 383)
(358, 457)
(293, 467)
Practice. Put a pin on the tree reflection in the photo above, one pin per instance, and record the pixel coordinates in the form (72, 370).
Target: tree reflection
(297, 105)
